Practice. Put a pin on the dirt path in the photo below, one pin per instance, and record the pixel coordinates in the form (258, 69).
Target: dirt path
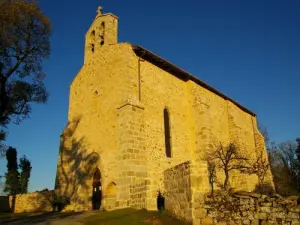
(53, 219)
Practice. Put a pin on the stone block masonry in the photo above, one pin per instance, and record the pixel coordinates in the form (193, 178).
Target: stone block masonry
(178, 190)
(132, 173)
(249, 209)
(32, 202)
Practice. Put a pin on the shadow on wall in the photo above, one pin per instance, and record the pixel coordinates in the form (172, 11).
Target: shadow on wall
(75, 169)
(264, 189)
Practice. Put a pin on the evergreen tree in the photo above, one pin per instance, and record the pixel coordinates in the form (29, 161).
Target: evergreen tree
(12, 176)
(298, 164)
(25, 166)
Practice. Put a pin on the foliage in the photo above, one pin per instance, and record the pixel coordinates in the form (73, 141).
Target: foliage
(16, 183)
(3, 149)
(228, 159)
(284, 159)
(12, 185)
(298, 149)
(25, 166)
(12, 182)
(43, 190)
(285, 167)
(1, 185)
(59, 203)
(11, 157)
(24, 43)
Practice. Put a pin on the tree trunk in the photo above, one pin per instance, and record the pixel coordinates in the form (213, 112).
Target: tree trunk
(226, 182)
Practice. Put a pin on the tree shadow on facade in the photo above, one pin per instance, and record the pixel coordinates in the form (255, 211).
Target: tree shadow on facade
(76, 166)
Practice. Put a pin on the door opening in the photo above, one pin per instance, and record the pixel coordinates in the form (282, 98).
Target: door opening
(97, 190)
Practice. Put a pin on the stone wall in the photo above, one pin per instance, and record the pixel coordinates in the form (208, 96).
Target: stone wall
(249, 209)
(32, 202)
(177, 191)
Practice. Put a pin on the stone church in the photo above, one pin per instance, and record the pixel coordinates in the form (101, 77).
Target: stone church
(138, 124)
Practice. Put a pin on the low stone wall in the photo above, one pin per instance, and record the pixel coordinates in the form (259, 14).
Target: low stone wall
(32, 202)
(249, 209)
(177, 191)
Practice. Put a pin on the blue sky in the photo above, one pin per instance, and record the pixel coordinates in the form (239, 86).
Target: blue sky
(249, 50)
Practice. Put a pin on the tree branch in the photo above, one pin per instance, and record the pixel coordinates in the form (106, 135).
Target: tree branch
(20, 59)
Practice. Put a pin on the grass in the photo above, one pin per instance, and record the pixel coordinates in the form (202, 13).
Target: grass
(132, 217)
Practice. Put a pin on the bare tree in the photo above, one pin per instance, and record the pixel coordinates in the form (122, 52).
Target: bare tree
(284, 167)
(211, 174)
(264, 131)
(228, 159)
(260, 167)
(288, 150)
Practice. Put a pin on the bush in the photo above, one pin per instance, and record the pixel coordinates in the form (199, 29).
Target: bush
(59, 203)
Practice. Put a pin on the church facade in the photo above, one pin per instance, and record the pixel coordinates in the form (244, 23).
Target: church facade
(138, 124)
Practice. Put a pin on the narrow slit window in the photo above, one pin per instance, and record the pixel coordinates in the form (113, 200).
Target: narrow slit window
(102, 31)
(92, 41)
(167, 133)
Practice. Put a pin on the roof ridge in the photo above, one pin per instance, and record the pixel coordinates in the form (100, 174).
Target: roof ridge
(180, 73)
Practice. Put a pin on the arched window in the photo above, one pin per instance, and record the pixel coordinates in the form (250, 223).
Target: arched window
(102, 32)
(92, 40)
(167, 133)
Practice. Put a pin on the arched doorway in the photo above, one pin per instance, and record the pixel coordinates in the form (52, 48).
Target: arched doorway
(97, 192)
